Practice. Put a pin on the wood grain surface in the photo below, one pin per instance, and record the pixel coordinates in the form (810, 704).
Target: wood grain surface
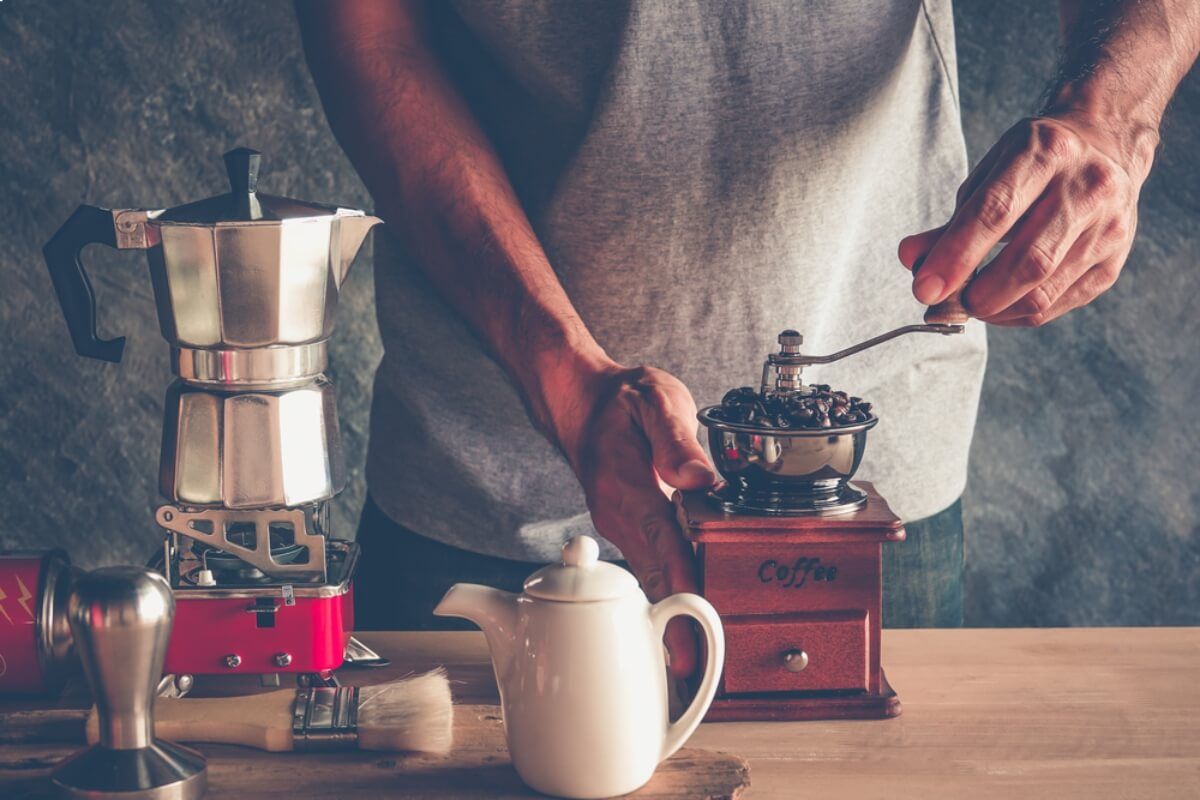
(1096, 714)
(478, 768)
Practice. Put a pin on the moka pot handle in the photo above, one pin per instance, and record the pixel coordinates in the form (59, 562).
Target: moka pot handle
(88, 225)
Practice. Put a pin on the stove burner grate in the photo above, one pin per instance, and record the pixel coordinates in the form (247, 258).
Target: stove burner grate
(229, 569)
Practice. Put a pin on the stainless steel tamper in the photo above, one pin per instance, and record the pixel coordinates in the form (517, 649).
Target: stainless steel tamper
(121, 620)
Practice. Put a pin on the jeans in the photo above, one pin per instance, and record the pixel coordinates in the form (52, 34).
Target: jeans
(403, 575)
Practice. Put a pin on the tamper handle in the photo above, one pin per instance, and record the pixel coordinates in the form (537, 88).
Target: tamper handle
(121, 620)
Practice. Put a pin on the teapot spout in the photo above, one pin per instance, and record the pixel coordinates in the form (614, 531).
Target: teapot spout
(353, 230)
(493, 610)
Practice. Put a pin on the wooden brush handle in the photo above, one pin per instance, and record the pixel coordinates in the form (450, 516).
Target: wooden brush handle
(950, 311)
(263, 721)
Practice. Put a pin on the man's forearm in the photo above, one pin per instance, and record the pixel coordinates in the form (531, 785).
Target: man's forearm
(1122, 61)
(440, 186)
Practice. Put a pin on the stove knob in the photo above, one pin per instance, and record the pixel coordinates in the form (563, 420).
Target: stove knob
(795, 660)
(233, 661)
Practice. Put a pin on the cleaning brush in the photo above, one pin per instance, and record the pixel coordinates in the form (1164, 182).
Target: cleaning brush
(410, 714)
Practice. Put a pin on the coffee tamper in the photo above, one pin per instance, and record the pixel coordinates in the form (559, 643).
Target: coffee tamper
(121, 619)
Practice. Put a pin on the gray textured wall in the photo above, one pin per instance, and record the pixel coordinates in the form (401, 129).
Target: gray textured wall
(1082, 505)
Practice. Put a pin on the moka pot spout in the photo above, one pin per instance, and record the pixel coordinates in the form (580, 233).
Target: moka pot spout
(353, 229)
(494, 611)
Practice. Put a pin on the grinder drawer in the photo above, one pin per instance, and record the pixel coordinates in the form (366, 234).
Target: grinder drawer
(790, 578)
(796, 652)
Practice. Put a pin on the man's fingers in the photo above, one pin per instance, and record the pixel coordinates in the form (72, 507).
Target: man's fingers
(1082, 256)
(1043, 242)
(1093, 283)
(913, 248)
(979, 224)
(982, 170)
(663, 562)
(631, 511)
(667, 416)
(682, 648)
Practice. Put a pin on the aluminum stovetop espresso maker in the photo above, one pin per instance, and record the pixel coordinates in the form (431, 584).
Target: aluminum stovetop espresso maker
(246, 286)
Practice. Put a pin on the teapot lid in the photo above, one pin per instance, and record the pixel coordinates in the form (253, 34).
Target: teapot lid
(581, 576)
(243, 203)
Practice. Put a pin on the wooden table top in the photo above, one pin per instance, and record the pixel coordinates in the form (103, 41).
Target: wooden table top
(1012, 713)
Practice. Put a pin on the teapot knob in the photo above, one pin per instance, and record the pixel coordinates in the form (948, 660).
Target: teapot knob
(580, 551)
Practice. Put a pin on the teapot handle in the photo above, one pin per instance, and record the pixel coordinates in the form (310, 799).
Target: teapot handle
(88, 225)
(699, 609)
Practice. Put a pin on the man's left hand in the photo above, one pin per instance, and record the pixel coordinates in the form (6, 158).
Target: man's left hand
(1062, 192)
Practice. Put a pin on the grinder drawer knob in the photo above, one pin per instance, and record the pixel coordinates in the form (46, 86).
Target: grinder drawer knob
(795, 660)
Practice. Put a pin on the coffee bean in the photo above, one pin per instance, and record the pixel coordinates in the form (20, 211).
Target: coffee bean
(736, 397)
(815, 407)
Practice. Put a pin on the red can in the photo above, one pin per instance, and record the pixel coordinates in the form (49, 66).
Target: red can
(36, 648)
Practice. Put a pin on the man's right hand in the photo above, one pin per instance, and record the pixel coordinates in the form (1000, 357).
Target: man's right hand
(443, 191)
(627, 432)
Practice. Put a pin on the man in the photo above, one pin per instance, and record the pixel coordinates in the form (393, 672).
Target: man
(576, 189)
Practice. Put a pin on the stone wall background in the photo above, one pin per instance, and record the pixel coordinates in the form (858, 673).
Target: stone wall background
(1082, 506)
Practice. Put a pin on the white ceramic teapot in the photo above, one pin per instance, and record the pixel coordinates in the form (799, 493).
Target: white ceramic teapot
(581, 668)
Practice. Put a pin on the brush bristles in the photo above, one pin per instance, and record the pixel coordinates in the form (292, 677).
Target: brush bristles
(413, 714)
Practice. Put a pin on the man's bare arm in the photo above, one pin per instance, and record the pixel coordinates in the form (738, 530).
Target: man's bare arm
(1061, 188)
(441, 187)
(1123, 59)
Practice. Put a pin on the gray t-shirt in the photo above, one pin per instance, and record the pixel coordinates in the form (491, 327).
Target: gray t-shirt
(702, 175)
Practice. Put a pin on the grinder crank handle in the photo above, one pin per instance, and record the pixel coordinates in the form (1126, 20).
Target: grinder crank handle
(950, 311)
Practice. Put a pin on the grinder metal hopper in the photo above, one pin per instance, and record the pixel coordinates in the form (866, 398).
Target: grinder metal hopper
(794, 471)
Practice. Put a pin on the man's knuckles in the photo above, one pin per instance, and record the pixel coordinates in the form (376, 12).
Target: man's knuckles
(1053, 141)
(996, 207)
(1036, 305)
(1104, 180)
(1035, 265)
(1116, 231)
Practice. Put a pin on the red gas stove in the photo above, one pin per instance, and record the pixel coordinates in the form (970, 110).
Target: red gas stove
(286, 607)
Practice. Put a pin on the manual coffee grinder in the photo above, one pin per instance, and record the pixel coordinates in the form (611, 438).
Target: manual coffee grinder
(790, 552)
(246, 286)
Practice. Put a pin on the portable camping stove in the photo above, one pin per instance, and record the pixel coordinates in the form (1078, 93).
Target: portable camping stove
(246, 286)
(791, 557)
